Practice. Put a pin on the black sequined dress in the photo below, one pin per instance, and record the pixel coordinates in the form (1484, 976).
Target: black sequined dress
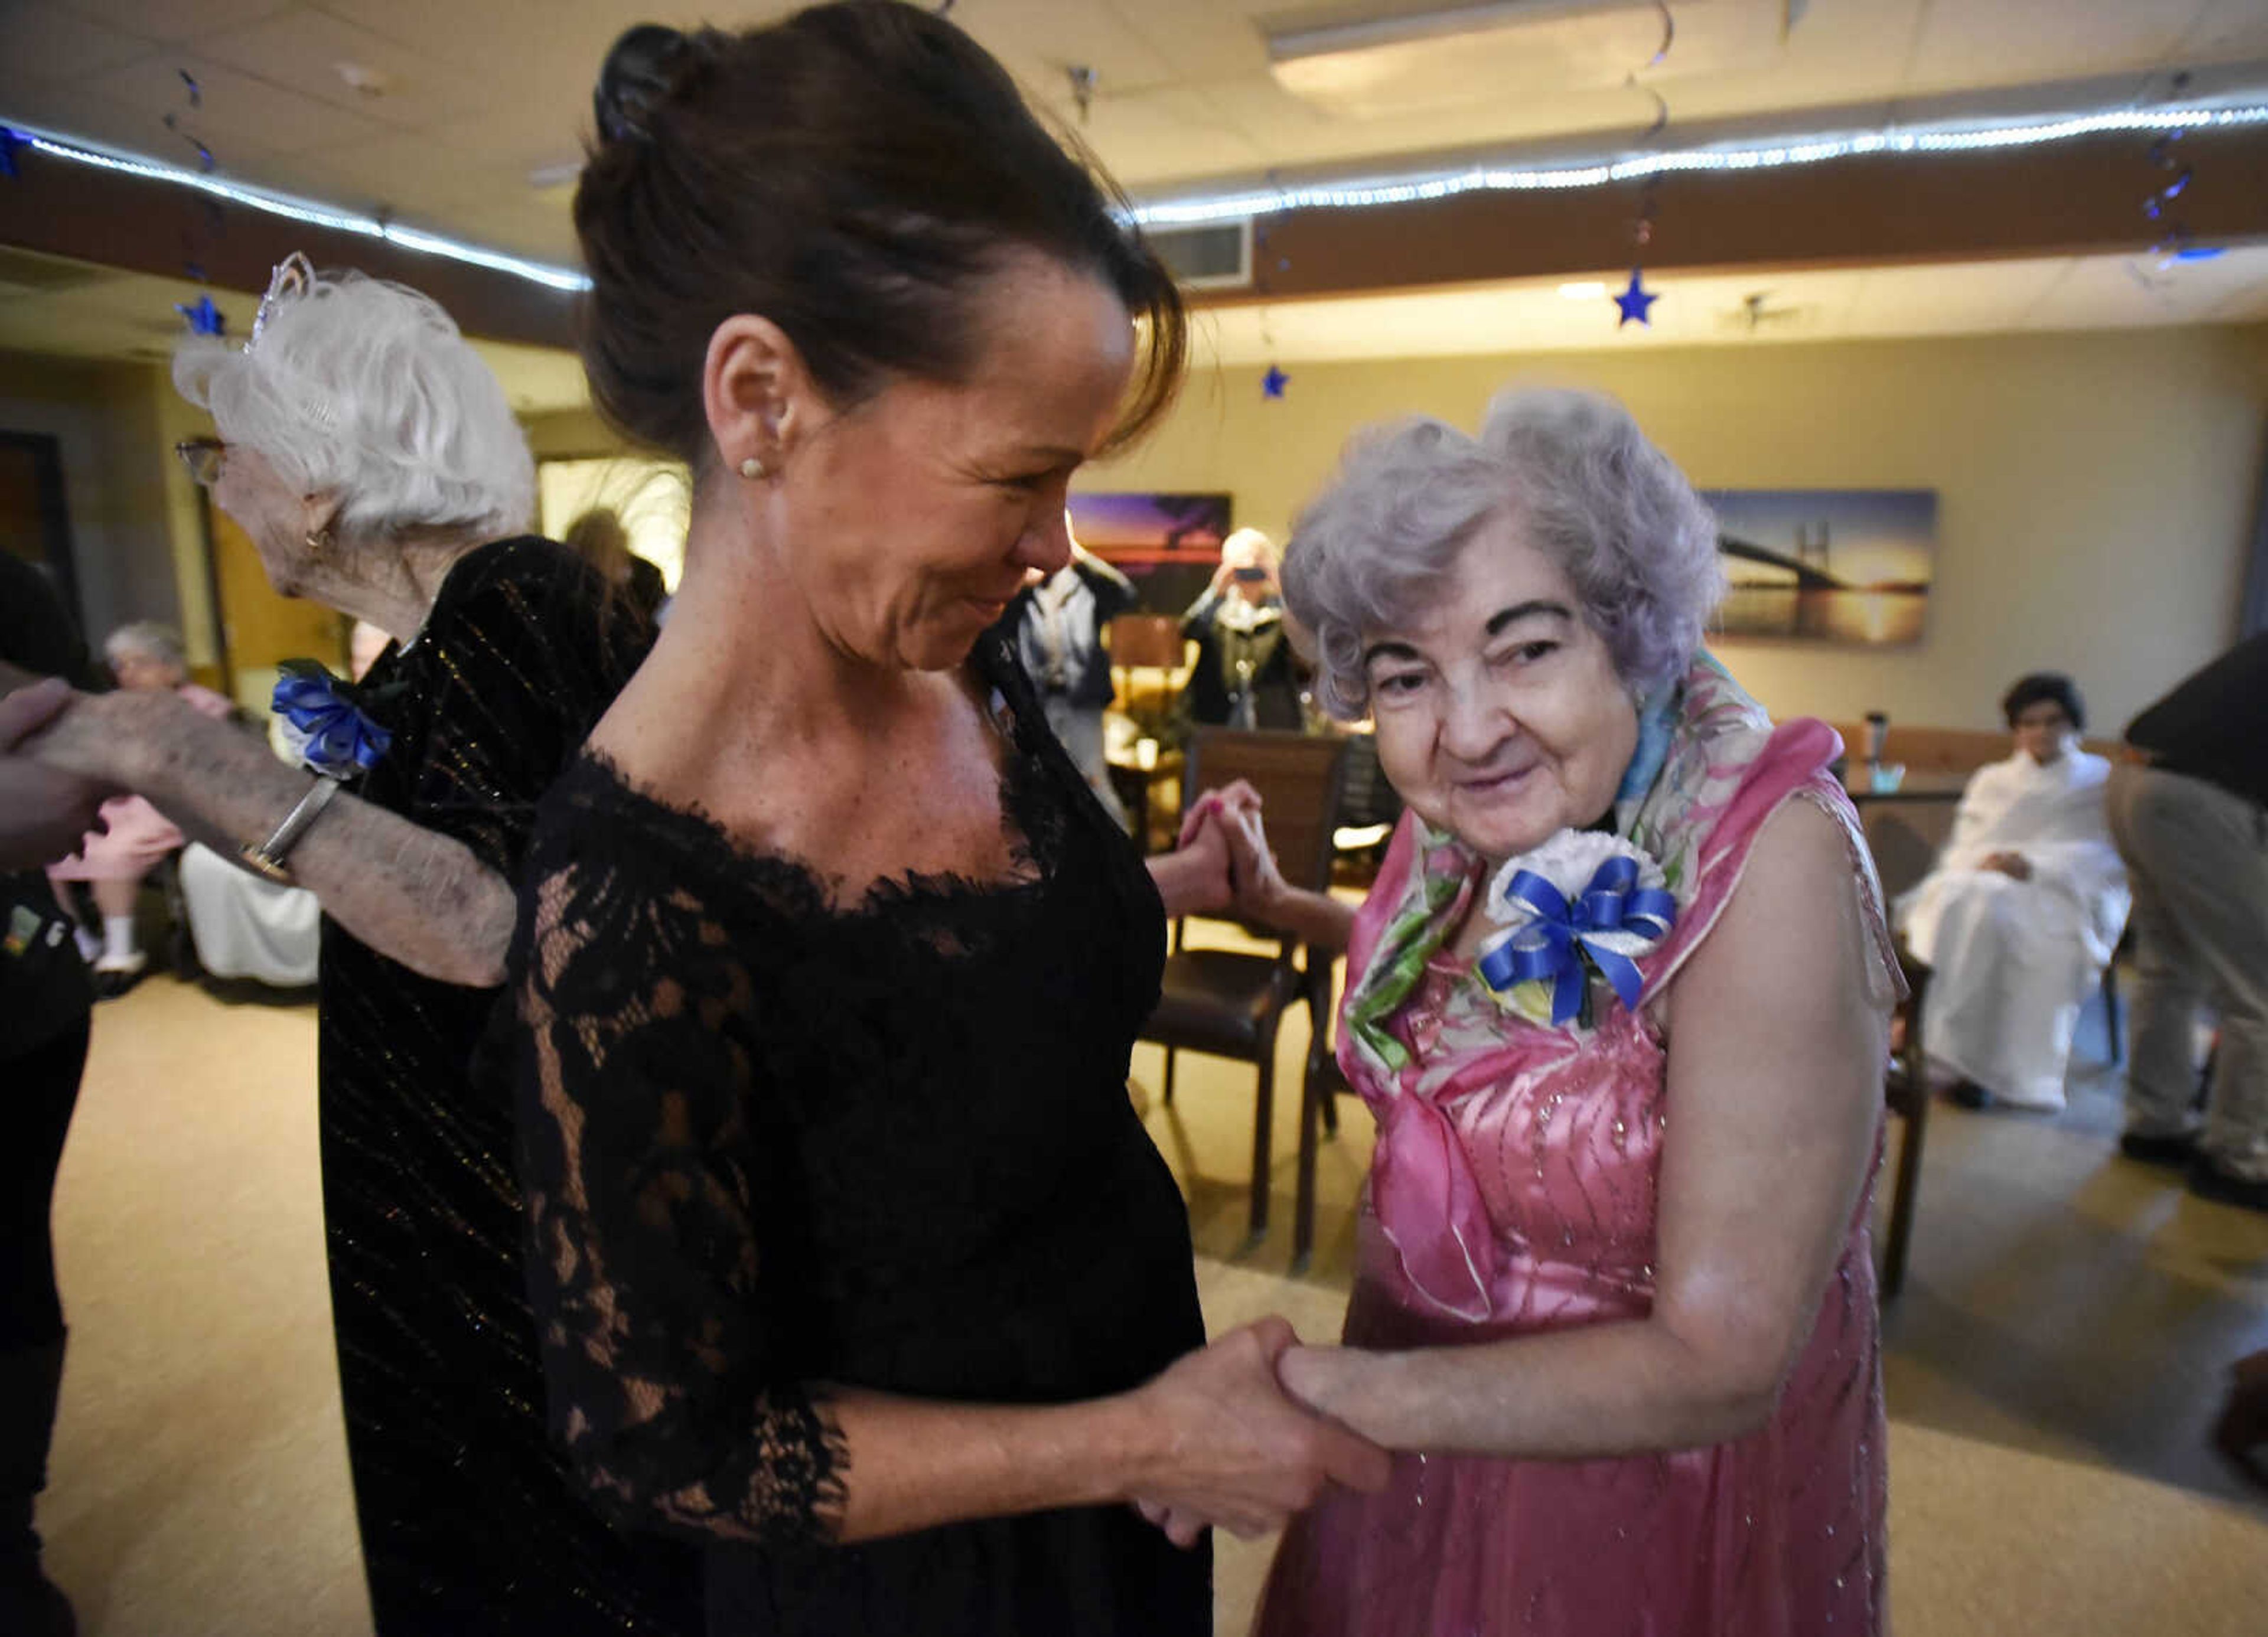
(468, 1521)
(773, 1142)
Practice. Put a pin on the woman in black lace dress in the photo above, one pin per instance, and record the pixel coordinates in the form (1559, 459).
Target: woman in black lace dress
(374, 463)
(852, 1259)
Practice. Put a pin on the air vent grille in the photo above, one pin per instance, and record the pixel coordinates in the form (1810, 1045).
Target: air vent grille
(1214, 256)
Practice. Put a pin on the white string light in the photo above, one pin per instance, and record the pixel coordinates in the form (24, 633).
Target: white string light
(305, 211)
(1420, 187)
(1357, 193)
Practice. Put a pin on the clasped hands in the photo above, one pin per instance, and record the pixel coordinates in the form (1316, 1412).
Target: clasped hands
(1242, 1453)
(1223, 829)
(44, 811)
(1246, 1454)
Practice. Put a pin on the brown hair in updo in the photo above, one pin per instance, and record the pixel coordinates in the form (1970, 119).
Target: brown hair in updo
(854, 174)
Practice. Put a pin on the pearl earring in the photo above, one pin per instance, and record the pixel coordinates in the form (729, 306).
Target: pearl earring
(752, 468)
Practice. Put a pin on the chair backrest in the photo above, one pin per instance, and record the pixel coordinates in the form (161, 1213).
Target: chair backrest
(1904, 837)
(1151, 640)
(1300, 778)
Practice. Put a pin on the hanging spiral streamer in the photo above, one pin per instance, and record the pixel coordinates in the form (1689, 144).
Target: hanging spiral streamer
(2174, 242)
(1636, 300)
(173, 123)
(204, 319)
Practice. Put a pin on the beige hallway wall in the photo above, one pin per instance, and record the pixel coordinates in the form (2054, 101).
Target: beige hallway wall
(135, 537)
(2095, 490)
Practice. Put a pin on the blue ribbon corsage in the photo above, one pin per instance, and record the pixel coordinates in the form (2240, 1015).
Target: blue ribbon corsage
(1614, 920)
(335, 738)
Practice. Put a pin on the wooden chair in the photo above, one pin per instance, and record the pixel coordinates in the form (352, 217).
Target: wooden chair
(1905, 1088)
(1231, 1003)
(1319, 1090)
(1139, 643)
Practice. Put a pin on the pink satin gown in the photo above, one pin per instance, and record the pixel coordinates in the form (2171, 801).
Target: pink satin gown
(1514, 1193)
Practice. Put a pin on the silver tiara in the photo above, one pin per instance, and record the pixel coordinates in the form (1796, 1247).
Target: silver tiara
(292, 276)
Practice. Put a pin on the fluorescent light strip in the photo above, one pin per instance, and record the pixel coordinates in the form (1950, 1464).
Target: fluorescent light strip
(294, 210)
(1808, 150)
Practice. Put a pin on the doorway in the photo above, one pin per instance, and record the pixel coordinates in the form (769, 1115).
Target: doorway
(260, 629)
(34, 522)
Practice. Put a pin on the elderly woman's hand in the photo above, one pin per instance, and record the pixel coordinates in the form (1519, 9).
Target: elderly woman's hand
(44, 812)
(109, 737)
(1259, 884)
(1238, 1454)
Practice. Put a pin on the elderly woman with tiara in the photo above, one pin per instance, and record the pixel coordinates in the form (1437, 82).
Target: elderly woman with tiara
(1619, 1003)
(375, 464)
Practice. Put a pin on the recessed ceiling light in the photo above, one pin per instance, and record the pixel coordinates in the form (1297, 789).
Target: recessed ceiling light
(1583, 290)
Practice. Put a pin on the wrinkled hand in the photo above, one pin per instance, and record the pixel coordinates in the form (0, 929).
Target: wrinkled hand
(44, 812)
(1235, 810)
(1204, 848)
(2015, 866)
(1259, 884)
(1241, 1455)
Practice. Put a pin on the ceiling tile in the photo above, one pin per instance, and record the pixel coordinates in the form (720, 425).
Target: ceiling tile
(178, 19)
(1952, 300)
(72, 111)
(1199, 39)
(2107, 291)
(47, 42)
(2046, 38)
(499, 32)
(1039, 40)
(2227, 28)
(397, 169)
(306, 51)
(235, 107)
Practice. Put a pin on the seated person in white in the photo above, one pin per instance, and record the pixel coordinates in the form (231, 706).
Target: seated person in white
(2024, 907)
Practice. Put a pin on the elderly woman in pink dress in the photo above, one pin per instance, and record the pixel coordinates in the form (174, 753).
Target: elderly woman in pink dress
(1619, 1001)
(135, 837)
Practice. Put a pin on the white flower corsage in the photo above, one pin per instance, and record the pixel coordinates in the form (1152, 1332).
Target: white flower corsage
(1585, 904)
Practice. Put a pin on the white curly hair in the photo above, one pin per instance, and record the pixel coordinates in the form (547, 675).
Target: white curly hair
(367, 390)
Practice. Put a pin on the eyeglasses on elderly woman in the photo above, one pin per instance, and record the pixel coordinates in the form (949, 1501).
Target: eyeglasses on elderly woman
(203, 457)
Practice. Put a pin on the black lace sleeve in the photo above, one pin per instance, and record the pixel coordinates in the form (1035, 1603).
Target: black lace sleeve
(639, 1171)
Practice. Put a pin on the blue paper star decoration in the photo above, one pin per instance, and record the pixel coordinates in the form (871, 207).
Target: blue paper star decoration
(204, 318)
(1635, 300)
(1272, 384)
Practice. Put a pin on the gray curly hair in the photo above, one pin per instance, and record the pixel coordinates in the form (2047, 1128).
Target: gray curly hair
(1585, 487)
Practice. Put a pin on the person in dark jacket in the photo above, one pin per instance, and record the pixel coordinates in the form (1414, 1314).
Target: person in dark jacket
(2190, 817)
(1057, 626)
(45, 997)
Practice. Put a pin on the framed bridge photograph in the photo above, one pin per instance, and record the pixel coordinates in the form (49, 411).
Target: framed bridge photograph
(1846, 566)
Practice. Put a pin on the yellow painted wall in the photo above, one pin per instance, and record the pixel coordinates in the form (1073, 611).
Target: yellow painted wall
(2095, 490)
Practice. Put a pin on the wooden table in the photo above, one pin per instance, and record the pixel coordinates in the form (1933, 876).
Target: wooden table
(1915, 786)
(1136, 786)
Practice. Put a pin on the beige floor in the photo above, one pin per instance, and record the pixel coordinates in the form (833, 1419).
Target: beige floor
(2051, 1367)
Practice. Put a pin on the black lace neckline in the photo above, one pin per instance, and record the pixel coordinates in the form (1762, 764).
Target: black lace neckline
(1031, 823)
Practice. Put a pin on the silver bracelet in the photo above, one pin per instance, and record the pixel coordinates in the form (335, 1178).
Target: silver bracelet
(268, 858)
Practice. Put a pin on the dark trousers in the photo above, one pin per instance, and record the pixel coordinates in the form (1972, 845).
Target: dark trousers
(38, 1090)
